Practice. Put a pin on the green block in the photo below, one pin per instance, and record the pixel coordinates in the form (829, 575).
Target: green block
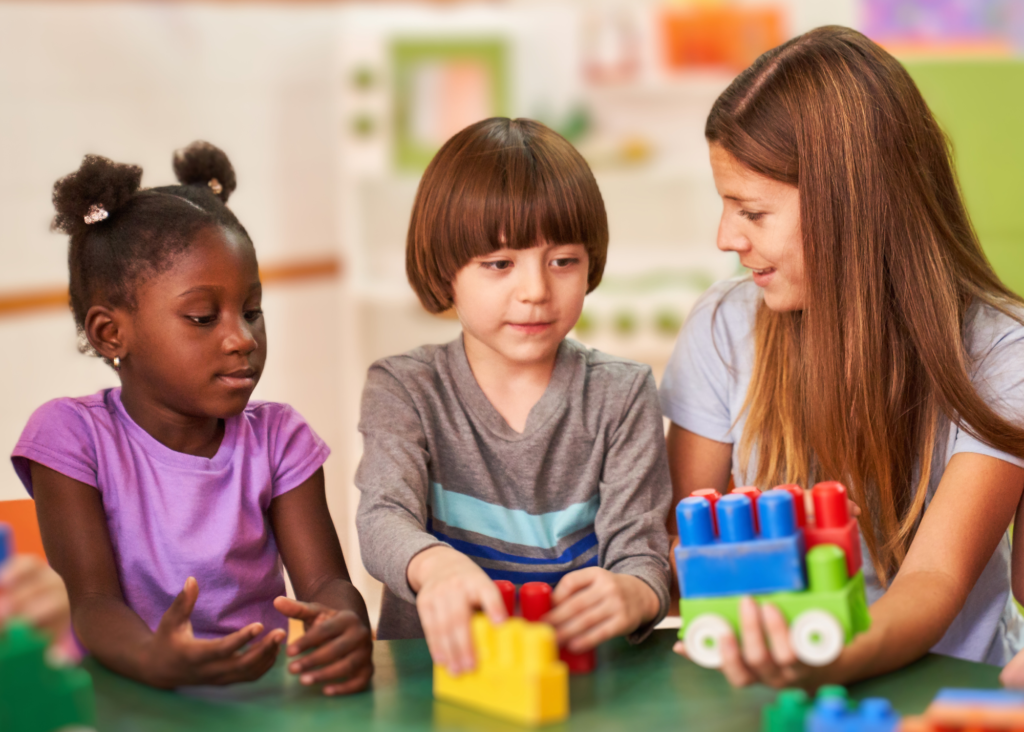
(36, 696)
(788, 712)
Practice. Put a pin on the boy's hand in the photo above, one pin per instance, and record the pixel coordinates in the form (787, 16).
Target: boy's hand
(449, 587)
(593, 605)
(31, 590)
(343, 659)
(175, 657)
(766, 654)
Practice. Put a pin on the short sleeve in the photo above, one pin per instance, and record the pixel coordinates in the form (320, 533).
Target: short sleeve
(296, 451)
(60, 436)
(998, 376)
(694, 390)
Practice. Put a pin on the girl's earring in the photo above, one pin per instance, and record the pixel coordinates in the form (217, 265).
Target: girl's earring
(117, 363)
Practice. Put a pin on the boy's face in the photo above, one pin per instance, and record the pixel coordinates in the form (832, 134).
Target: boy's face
(518, 305)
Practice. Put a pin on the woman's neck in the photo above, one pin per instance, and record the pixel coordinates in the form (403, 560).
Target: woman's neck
(188, 434)
(512, 388)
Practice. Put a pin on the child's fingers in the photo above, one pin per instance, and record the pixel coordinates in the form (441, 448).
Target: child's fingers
(304, 611)
(248, 666)
(460, 645)
(357, 683)
(680, 649)
(778, 635)
(755, 650)
(1012, 675)
(733, 667)
(181, 609)
(580, 622)
(21, 569)
(492, 602)
(595, 635)
(571, 583)
(342, 667)
(342, 642)
(43, 610)
(208, 651)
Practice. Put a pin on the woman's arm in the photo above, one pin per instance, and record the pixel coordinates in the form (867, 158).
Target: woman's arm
(967, 517)
(337, 623)
(695, 462)
(74, 530)
(1017, 563)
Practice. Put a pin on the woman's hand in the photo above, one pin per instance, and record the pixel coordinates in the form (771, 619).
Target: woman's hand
(31, 590)
(175, 657)
(449, 587)
(593, 605)
(1013, 672)
(766, 655)
(343, 655)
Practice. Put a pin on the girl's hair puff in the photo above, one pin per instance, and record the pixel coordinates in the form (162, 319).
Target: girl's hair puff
(144, 229)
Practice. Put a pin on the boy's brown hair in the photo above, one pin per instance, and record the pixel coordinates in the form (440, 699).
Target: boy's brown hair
(501, 183)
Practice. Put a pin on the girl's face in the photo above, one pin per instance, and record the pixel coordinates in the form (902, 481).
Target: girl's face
(196, 344)
(518, 304)
(761, 223)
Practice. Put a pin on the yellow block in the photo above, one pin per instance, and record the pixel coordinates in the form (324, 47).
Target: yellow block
(518, 675)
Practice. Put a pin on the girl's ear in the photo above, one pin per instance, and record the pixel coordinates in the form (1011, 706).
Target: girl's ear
(105, 329)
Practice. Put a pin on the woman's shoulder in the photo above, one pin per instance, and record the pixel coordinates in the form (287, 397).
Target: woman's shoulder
(990, 331)
(734, 300)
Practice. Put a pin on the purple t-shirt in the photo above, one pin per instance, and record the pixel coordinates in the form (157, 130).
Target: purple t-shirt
(172, 515)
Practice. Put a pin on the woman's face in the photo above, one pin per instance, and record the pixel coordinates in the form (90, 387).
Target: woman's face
(761, 223)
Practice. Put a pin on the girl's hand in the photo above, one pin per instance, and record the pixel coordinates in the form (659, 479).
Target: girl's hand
(593, 605)
(451, 587)
(344, 647)
(1013, 672)
(175, 657)
(773, 662)
(31, 590)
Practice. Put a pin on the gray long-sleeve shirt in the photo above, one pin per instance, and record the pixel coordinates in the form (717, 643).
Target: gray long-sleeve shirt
(585, 484)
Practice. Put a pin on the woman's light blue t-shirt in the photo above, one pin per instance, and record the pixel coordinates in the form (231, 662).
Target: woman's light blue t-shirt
(706, 382)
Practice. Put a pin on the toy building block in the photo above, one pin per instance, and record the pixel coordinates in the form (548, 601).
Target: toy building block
(518, 675)
(788, 712)
(798, 502)
(6, 542)
(534, 602)
(508, 594)
(712, 495)
(837, 714)
(737, 561)
(833, 523)
(38, 697)
(753, 494)
(977, 709)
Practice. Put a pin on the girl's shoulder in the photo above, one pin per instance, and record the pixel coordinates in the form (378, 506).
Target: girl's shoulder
(71, 416)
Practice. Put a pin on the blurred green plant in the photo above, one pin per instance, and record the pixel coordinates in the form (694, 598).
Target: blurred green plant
(625, 322)
(586, 324)
(668, 322)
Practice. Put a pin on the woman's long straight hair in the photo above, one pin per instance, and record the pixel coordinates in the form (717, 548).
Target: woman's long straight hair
(855, 386)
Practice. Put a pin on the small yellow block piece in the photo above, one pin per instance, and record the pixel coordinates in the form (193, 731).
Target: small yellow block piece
(518, 675)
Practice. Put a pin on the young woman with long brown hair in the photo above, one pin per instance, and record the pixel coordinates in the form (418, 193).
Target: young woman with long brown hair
(873, 345)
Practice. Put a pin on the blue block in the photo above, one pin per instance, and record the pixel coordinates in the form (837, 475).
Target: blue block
(735, 513)
(6, 542)
(693, 517)
(754, 567)
(834, 714)
(992, 698)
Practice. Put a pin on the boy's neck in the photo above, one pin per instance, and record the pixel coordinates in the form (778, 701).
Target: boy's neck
(512, 388)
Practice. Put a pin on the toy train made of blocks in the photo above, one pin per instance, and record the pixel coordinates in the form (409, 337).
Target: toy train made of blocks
(763, 544)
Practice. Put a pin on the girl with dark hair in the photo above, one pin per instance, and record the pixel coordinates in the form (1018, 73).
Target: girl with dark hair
(873, 344)
(175, 483)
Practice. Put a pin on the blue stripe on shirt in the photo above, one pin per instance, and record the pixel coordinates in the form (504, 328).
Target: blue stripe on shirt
(519, 578)
(485, 552)
(511, 525)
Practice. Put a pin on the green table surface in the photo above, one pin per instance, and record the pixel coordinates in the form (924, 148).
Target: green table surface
(646, 687)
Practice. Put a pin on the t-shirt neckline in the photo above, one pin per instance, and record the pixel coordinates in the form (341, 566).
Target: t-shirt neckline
(159, 451)
(548, 405)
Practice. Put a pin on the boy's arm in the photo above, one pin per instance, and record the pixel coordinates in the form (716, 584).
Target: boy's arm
(74, 530)
(335, 616)
(635, 494)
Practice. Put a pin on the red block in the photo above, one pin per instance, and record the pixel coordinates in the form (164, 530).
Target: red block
(534, 602)
(508, 594)
(833, 523)
(753, 494)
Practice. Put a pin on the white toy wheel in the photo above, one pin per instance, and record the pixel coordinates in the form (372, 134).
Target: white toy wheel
(817, 637)
(702, 638)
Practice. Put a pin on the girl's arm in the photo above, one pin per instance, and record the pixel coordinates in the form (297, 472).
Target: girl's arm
(967, 517)
(74, 531)
(337, 624)
(695, 462)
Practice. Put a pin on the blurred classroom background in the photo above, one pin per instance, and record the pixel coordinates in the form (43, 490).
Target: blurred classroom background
(330, 110)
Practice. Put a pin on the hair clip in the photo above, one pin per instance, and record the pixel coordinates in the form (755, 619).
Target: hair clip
(215, 186)
(96, 214)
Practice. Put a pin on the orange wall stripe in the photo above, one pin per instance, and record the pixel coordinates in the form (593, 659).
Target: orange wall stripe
(16, 303)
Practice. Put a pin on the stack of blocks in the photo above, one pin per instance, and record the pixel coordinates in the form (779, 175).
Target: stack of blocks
(761, 544)
(518, 675)
(534, 603)
(36, 696)
(832, 711)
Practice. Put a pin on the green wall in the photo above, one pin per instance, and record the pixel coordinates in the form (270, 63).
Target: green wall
(980, 104)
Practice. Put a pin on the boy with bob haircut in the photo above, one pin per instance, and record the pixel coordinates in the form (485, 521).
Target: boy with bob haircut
(511, 452)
